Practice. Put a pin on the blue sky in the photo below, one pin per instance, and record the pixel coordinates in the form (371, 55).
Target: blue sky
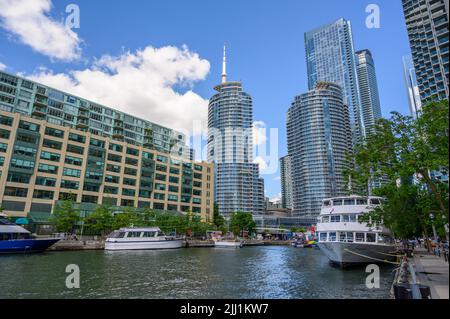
(264, 40)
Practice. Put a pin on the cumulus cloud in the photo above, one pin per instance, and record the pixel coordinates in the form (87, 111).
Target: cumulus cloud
(259, 133)
(145, 83)
(28, 21)
(2, 66)
(276, 198)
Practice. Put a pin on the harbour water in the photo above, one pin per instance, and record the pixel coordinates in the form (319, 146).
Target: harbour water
(278, 272)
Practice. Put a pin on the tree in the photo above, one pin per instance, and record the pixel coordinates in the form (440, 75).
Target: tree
(218, 219)
(101, 221)
(127, 218)
(65, 216)
(242, 221)
(402, 149)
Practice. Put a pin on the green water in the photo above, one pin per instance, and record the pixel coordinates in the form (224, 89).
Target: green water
(250, 272)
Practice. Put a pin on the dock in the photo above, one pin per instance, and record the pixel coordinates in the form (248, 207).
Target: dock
(65, 245)
(432, 271)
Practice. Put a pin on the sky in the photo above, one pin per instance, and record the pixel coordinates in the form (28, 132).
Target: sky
(161, 59)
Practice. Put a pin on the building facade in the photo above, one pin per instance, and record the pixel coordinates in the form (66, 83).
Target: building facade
(412, 89)
(427, 26)
(319, 139)
(368, 89)
(41, 102)
(286, 182)
(330, 57)
(230, 147)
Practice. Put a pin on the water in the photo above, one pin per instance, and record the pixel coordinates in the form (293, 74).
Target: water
(251, 272)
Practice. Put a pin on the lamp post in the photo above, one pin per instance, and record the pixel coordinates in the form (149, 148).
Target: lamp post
(432, 225)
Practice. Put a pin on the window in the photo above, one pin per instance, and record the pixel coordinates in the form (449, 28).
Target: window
(50, 156)
(18, 163)
(337, 202)
(16, 192)
(370, 237)
(52, 144)
(54, 132)
(132, 151)
(77, 138)
(110, 190)
(89, 199)
(172, 198)
(360, 201)
(335, 218)
(114, 158)
(196, 200)
(113, 168)
(18, 178)
(5, 134)
(375, 201)
(3, 147)
(98, 176)
(161, 168)
(97, 143)
(70, 184)
(322, 237)
(160, 187)
(29, 126)
(159, 196)
(73, 161)
(173, 179)
(160, 177)
(129, 181)
(174, 170)
(115, 147)
(173, 189)
(127, 202)
(6, 120)
(162, 159)
(198, 167)
(159, 206)
(131, 161)
(349, 201)
(27, 138)
(332, 236)
(45, 168)
(90, 187)
(197, 176)
(359, 237)
(112, 179)
(327, 203)
(24, 151)
(75, 149)
(147, 155)
(144, 193)
(128, 192)
(130, 171)
(71, 172)
(68, 196)
(42, 194)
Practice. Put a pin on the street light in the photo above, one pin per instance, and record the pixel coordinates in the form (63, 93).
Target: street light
(434, 228)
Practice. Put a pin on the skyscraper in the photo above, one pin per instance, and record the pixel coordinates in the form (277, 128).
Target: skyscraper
(286, 181)
(412, 88)
(427, 26)
(230, 146)
(330, 57)
(368, 89)
(319, 138)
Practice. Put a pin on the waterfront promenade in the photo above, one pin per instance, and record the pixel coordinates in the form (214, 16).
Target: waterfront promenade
(433, 272)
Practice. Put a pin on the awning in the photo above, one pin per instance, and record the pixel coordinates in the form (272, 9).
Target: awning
(21, 221)
(40, 217)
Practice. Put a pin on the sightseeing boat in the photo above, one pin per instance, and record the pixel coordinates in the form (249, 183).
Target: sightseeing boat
(16, 239)
(347, 241)
(141, 239)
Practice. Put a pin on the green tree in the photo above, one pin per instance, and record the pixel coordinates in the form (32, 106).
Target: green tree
(218, 219)
(242, 221)
(65, 216)
(127, 218)
(101, 221)
(399, 149)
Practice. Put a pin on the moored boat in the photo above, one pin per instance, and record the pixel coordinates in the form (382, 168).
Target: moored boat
(16, 239)
(228, 244)
(347, 241)
(144, 238)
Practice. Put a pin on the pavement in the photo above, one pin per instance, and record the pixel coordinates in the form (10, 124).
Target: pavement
(433, 272)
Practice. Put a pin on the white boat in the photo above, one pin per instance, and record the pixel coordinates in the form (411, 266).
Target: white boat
(228, 244)
(345, 240)
(141, 239)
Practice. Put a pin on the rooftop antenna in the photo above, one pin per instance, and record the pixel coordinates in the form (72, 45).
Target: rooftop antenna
(224, 65)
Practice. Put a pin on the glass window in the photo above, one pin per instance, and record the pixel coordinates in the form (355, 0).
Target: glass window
(337, 202)
(349, 201)
(50, 156)
(45, 168)
(325, 219)
(361, 201)
(335, 218)
(52, 144)
(73, 161)
(77, 138)
(115, 147)
(54, 132)
(71, 172)
(6, 120)
(375, 201)
(70, 184)
(332, 236)
(359, 237)
(322, 236)
(370, 237)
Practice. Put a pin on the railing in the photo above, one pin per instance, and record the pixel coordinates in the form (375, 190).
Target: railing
(405, 284)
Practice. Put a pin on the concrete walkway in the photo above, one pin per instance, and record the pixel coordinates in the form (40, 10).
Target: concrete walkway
(433, 272)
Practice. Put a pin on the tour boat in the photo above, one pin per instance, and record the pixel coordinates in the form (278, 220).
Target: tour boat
(141, 239)
(16, 239)
(228, 244)
(345, 240)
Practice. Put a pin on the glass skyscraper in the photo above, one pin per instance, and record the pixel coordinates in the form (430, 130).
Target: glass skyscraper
(286, 182)
(415, 104)
(427, 26)
(368, 89)
(330, 57)
(319, 138)
(230, 146)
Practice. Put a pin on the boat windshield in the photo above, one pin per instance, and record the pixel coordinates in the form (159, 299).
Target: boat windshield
(4, 221)
(117, 234)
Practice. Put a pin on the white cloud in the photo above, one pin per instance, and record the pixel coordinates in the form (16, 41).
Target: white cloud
(141, 83)
(28, 20)
(277, 178)
(259, 133)
(276, 198)
(2, 66)
(261, 162)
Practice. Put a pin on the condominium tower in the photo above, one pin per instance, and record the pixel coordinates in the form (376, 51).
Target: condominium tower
(319, 139)
(368, 89)
(427, 26)
(230, 147)
(286, 182)
(330, 57)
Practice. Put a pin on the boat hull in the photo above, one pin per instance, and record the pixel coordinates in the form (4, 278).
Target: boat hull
(25, 245)
(227, 244)
(144, 245)
(350, 254)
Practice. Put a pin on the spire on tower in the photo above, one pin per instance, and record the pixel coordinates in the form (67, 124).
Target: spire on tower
(224, 65)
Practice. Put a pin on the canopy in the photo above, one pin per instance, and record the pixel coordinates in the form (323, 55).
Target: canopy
(22, 221)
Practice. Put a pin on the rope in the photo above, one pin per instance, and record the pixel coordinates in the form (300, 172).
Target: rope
(381, 260)
(393, 255)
